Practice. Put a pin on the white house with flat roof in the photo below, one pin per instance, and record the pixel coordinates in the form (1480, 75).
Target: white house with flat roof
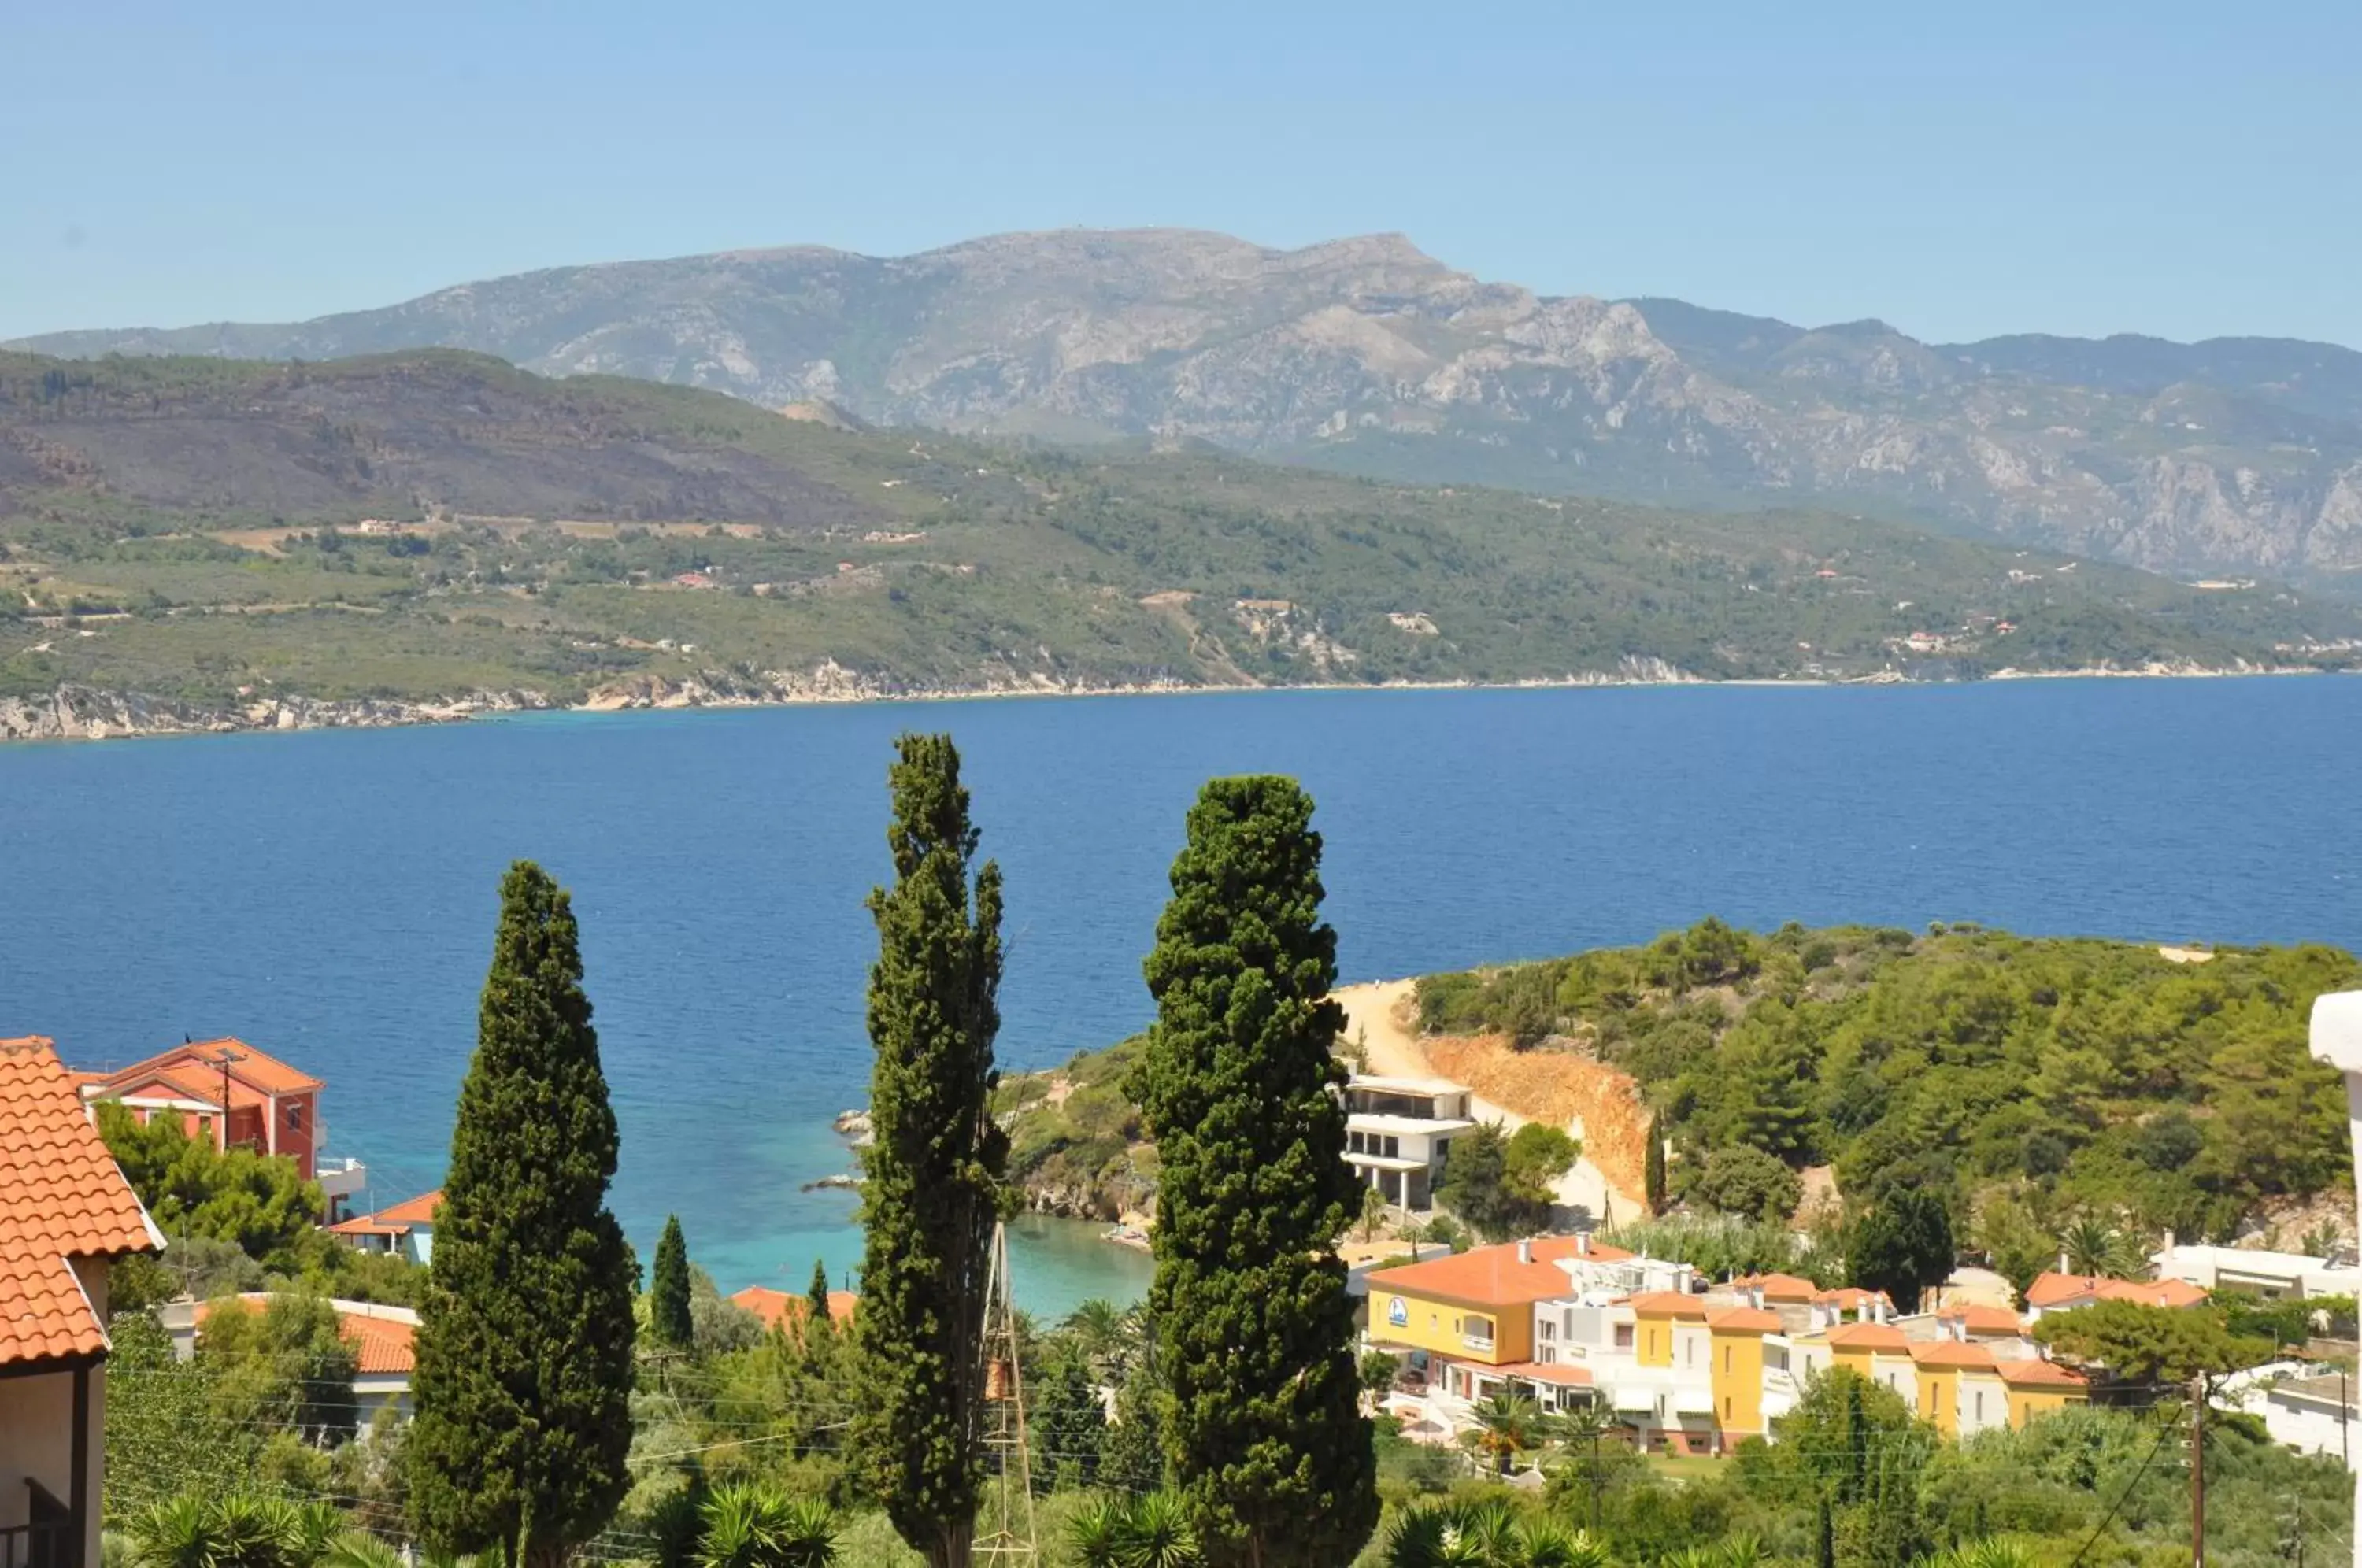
(2272, 1275)
(1399, 1131)
(2337, 1039)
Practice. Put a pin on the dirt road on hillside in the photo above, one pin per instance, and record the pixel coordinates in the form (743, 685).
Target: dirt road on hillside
(1597, 1104)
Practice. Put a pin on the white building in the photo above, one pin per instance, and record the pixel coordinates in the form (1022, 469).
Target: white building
(1399, 1131)
(2310, 1408)
(2272, 1275)
(2337, 1039)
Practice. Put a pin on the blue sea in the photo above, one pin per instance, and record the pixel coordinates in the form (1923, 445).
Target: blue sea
(330, 895)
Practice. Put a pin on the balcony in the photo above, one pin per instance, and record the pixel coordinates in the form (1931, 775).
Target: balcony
(1477, 1341)
(49, 1544)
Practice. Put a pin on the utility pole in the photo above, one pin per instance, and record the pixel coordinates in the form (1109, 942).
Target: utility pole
(223, 1058)
(2198, 1471)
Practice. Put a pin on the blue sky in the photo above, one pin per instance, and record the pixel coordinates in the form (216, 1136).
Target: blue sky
(1958, 169)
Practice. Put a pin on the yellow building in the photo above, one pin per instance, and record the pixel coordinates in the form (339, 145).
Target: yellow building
(2039, 1388)
(1474, 1311)
(1735, 1368)
(1960, 1389)
(1655, 1315)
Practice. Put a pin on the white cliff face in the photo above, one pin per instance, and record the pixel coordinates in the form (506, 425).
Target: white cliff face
(1345, 352)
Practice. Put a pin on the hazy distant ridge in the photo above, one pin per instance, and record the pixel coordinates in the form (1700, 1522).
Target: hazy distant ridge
(2230, 456)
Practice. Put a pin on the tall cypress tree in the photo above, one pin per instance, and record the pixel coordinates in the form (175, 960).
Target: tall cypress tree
(934, 1185)
(816, 1318)
(525, 1336)
(1264, 1429)
(1654, 1174)
(669, 1314)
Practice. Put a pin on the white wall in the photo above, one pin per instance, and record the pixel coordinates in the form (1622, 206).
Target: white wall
(2337, 1039)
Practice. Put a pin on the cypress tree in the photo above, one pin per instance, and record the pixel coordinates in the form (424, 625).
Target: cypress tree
(934, 1185)
(669, 1314)
(524, 1338)
(1262, 1427)
(1655, 1177)
(816, 1318)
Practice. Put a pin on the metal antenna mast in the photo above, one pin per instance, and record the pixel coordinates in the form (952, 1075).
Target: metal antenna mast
(1010, 1508)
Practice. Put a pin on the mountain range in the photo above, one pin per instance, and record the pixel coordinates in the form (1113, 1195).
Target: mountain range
(1367, 356)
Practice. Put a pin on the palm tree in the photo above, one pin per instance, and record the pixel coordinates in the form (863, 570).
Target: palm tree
(1098, 1327)
(1993, 1552)
(1375, 1212)
(1549, 1545)
(1583, 1431)
(358, 1549)
(1486, 1535)
(239, 1529)
(751, 1525)
(1099, 1530)
(1149, 1531)
(1508, 1425)
(2093, 1246)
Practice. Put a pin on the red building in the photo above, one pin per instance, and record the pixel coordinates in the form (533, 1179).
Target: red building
(227, 1092)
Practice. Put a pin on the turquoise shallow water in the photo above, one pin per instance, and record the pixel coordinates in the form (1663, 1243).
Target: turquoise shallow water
(330, 895)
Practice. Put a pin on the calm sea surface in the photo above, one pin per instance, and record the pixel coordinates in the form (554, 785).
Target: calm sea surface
(330, 895)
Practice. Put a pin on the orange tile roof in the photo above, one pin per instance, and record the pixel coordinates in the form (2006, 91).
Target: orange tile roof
(1667, 1304)
(1952, 1353)
(1744, 1321)
(2049, 1290)
(1868, 1336)
(2032, 1372)
(1850, 1298)
(259, 1071)
(419, 1210)
(1492, 1276)
(1779, 1286)
(60, 1197)
(1981, 1319)
(1566, 1375)
(780, 1308)
(380, 1346)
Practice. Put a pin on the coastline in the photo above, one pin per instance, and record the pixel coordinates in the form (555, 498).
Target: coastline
(83, 713)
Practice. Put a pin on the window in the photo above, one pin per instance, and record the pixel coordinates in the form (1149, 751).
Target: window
(1981, 1404)
(1729, 1354)
(1550, 1330)
(296, 1115)
(1726, 1409)
(1393, 1148)
(1624, 1336)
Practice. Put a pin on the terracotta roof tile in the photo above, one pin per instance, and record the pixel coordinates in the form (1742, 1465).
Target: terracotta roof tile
(1984, 1320)
(1566, 1375)
(1869, 1336)
(1667, 1304)
(419, 1210)
(383, 1346)
(185, 1064)
(1779, 1286)
(2036, 1373)
(1744, 1321)
(1850, 1298)
(1952, 1353)
(1492, 1276)
(60, 1197)
(776, 1307)
(2053, 1290)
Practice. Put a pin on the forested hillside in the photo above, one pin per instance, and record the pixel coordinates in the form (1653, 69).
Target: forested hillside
(2036, 1082)
(240, 539)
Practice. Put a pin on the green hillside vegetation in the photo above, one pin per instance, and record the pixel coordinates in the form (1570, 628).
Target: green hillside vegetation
(1076, 1142)
(2044, 1085)
(188, 529)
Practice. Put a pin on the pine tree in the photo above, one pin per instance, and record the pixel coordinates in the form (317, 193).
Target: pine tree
(1655, 1177)
(1262, 1426)
(934, 1185)
(524, 1339)
(816, 1318)
(669, 1314)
